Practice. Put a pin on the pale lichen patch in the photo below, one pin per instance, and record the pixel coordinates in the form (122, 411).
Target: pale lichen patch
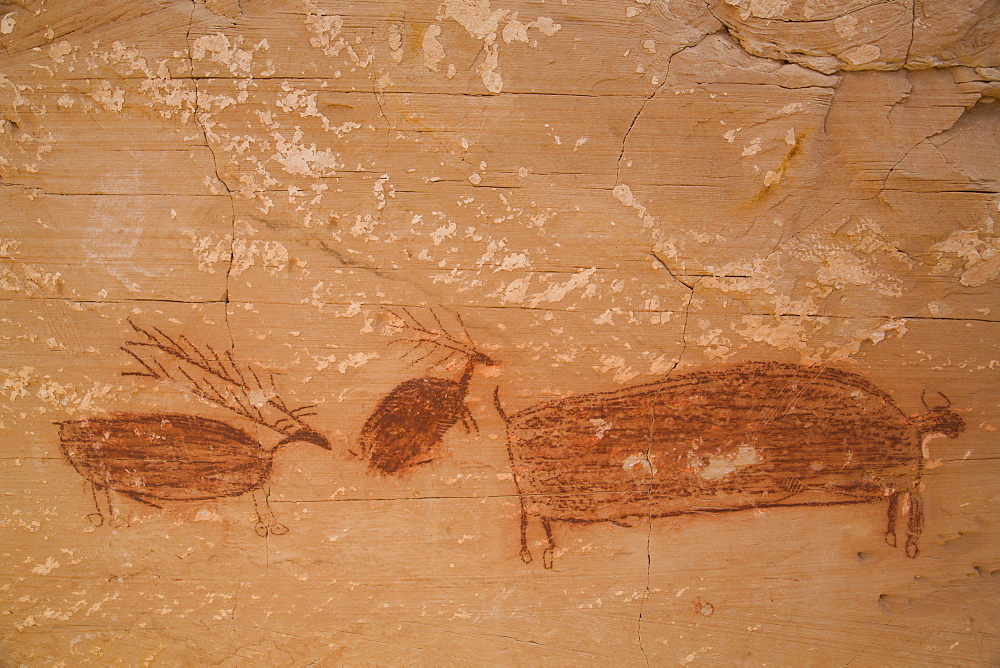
(395, 44)
(210, 251)
(719, 466)
(231, 55)
(59, 51)
(7, 23)
(432, 47)
(601, 427)
(16, 382)
(623, 371)
(19, 276)
(72, 398)
(766, 9)
(112, 98)
(46, 568)
(304, 160)
(861, 55)
(482, 22)
(637, 463)
(979, 249)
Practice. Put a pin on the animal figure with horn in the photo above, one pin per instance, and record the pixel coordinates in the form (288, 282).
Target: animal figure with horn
(410, 422)
(167, 457)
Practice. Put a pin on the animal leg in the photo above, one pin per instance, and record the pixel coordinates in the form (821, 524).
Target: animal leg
(114, 517)
(550, 544)
(893, 514)
(468, 421)
(96, 518)
(266, 522)
(525, 552)
(276, 527)
(259, 500)
(915, 525)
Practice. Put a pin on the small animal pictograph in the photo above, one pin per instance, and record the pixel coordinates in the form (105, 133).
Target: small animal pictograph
(409, 423)
(155, 458)
(751, 435)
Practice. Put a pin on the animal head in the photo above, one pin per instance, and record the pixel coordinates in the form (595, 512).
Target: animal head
(307, 436)
(478, 358)
(436, 343)
(940, 419)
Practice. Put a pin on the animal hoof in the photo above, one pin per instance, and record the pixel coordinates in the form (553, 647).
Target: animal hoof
(95, 519)
(890, 538)
(526, 555)
(118, 522)
(278, 529)
(261, 529)
(911, 548)
(547, 558)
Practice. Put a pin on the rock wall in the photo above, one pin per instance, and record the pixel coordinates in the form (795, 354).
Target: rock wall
(232, 210)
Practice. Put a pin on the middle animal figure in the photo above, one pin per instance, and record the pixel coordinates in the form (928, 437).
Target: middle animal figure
(409, 423)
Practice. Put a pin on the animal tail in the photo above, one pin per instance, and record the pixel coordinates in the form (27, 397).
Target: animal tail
(525, 550)
(496, 402)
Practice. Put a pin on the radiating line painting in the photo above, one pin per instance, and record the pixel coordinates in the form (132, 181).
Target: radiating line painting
(155, 458)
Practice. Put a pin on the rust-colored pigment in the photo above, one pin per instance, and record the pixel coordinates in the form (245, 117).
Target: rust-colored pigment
(753, 435)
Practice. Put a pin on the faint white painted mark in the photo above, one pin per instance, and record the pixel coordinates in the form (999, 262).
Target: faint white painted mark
(925, 445)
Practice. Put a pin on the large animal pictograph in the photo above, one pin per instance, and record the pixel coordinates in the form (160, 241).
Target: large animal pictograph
(752, 435)
(158, 457)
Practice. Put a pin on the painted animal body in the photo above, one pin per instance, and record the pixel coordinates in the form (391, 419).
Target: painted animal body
(411, 420)
(165, 457)
(409, 423)
(753, 435)
(156, 458)
(162, 457)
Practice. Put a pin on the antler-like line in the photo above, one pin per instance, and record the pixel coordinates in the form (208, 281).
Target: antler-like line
(211, 363)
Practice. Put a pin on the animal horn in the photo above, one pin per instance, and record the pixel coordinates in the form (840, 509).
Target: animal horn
(440, 339)
(923, 400)
(307, 436)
